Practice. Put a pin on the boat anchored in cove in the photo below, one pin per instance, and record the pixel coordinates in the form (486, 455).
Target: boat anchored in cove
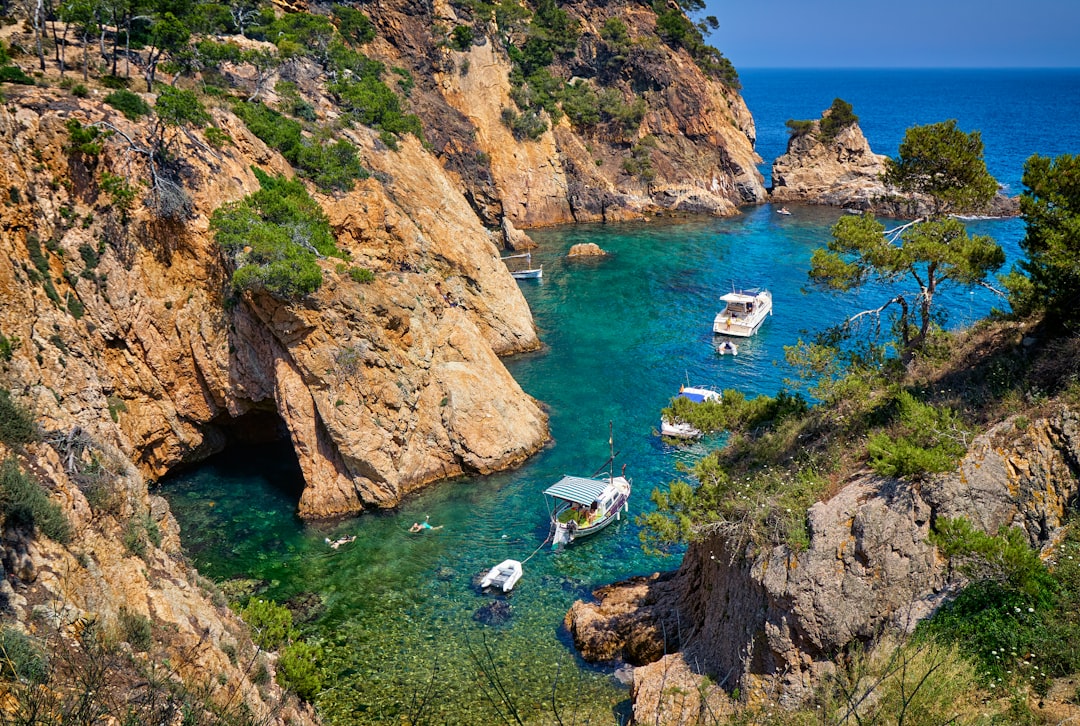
(744, 312)
(580, 506)
(523, 270)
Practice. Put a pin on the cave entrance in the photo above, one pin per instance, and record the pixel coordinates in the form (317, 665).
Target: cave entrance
(237, 509)
(254, 454)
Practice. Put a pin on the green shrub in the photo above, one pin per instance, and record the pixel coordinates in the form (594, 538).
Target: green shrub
(16, 425)
(24, 502)
(216, 137)
(121, 193)
(462, 37)
(299, 671)
(8, 346)
(271, 624)
(75, 306)
(581, 104)
(136, 630)
(354, 26)
(921, 440)
(272, 237)
(85, 140)
(797, 128)
(14, 74)
(361, 275)
(839, 116)
(22, 658)
(114, 82)
(80, 91)
(130, 104)
(1019, 619)
(133, 538)
(331, 167)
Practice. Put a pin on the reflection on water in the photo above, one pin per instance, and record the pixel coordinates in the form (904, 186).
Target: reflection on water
(621, 334)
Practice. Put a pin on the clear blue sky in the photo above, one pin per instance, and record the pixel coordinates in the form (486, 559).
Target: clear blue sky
(897, 33)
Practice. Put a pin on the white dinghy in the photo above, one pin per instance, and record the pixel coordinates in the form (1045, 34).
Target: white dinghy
(502, 576)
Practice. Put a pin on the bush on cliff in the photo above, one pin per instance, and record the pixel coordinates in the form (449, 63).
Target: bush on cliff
(922, 439)
(16, 424)
(839, 116)
(274, 238)
(330, 166)
(23, 502)
(1019, 619)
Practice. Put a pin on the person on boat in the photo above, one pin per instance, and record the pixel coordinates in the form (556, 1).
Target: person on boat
(421, 526)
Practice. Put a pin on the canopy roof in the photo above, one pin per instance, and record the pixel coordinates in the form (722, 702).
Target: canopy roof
(742, 296)
(577, 489)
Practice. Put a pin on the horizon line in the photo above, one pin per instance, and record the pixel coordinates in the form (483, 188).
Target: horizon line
(907, 68)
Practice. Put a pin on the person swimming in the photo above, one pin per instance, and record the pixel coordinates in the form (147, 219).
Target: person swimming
(421, 526)
(340, 541)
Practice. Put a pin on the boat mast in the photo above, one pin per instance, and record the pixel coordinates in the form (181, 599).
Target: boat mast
(611, 448)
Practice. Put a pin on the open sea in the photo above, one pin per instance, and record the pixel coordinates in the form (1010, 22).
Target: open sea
(401, 639)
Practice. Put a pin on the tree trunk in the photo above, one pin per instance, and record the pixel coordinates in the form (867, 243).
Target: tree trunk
(60, 58)
(39, 22)
(86, 55)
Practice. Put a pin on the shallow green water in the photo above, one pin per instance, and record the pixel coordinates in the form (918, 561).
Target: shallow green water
(620, 334)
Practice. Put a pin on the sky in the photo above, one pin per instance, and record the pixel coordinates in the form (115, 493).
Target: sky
(897, 33)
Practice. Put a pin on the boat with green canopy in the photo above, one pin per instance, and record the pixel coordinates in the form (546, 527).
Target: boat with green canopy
(580, 506)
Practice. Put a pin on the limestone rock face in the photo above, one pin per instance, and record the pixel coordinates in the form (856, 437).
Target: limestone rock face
(771, 623)
(381, 387)
(841, 173)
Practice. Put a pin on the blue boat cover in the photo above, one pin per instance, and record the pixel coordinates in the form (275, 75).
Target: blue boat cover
(693, 396)
(577, 489)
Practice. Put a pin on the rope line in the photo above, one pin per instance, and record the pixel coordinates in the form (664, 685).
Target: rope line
(548, 539)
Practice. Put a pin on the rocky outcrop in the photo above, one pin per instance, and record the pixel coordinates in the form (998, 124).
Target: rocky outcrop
(123, 580)
(842, 171)
(768, 622)
(586, 249)
(692, 150)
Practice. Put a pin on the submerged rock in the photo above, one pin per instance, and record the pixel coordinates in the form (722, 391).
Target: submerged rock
(496, 612)
(305, 607)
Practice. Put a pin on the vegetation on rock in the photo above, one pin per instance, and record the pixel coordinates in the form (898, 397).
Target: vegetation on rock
(274, 237)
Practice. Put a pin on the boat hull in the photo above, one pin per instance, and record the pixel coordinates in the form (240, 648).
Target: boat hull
(527, 274)
(678, 430)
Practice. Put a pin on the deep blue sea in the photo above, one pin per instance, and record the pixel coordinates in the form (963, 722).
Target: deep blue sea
(620, 335)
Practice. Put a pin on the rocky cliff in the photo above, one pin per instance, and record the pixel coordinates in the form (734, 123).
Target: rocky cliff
(381, 387)
(688, 147)
(769, 622)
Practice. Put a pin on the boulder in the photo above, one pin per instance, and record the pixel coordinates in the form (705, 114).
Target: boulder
(586, 249)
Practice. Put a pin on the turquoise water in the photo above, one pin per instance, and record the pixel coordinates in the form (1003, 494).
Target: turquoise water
(620, 335)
